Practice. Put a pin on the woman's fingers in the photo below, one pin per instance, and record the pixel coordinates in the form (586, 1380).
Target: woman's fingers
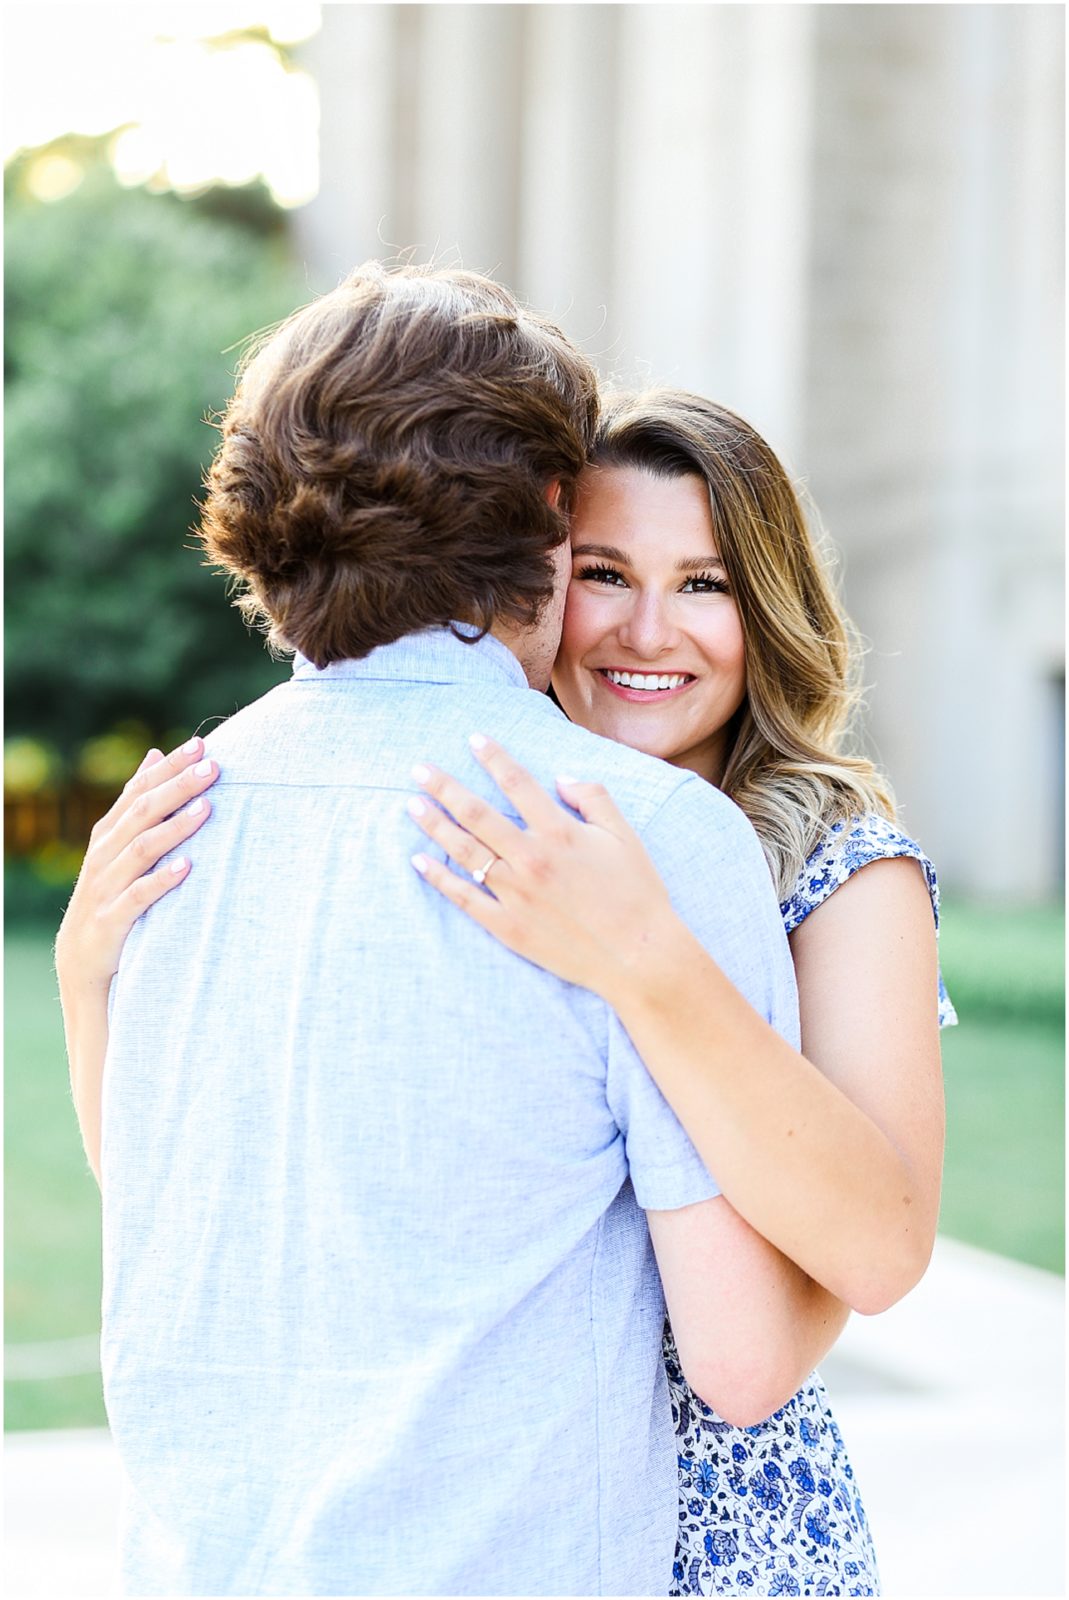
(594, 804)
(574, 897)
(150, 774)
(154, 769)
(145, 891)
(145, 786)
(478, 906)
(120, 876)
(147, 846)
(537, 808)
(471, 815)
(468, 849)
(153, 793)
(94, 930)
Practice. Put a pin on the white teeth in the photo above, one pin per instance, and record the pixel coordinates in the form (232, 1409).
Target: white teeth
(647, 680)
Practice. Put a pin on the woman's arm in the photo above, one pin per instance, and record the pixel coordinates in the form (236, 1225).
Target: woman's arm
(751, 1343)
(114, 887)
(834, 1154)
(835, 1160)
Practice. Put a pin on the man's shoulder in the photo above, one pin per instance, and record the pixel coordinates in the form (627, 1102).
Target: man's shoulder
(641, 785)
(223, 734)
(367, 735)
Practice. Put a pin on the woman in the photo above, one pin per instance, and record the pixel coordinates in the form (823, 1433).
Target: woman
(699, 628)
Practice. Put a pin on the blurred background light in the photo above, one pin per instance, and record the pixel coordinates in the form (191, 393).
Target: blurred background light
(196, 94)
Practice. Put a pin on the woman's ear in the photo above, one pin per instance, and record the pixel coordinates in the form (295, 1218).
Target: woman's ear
(552, 492)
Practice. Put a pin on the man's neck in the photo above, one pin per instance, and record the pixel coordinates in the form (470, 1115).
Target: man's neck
(530, 650)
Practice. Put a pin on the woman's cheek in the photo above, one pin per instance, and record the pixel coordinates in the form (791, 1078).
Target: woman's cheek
(583, 624)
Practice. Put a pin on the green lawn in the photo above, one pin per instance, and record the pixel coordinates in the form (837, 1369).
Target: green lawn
(52, 1209)
(1004, 1184)
(1004, 1177)
(1004, 1168)
(1005, 963)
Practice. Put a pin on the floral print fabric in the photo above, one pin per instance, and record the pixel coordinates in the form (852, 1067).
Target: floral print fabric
(844, 850)
(770, 1509)
(774, 1509)
(766, 1510)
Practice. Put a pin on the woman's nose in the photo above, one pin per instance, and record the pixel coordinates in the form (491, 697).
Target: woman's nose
(648, 630)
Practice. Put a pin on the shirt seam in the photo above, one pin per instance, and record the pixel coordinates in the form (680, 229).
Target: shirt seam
(355, 786)
(401, 677)
(597, 1396)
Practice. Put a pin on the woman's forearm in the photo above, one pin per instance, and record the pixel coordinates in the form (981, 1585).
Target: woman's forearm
(803, 1164)
(798, 1326)
(85, 1025)
(770, 1344)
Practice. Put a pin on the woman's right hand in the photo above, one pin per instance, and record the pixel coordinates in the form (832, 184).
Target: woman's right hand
(117, 881)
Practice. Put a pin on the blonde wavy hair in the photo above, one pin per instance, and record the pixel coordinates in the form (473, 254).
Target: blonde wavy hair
(792, 766)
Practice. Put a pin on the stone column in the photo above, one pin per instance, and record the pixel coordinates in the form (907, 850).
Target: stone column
(934, 405)
(466, 112)
(711, 245)
(353, 60)
(420, 110)
(569, 166)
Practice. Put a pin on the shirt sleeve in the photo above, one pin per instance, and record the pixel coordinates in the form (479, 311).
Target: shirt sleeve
(719, 882)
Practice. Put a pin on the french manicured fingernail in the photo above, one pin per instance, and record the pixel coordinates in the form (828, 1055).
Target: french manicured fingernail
(420, 863)
(191, 745)
(179, 864)
(195, 809)
(202, 769)
(478, 741)
(416, 808)
(421, 774)
(563, 779)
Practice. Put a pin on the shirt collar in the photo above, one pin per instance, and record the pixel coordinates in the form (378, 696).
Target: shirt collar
(433, 656)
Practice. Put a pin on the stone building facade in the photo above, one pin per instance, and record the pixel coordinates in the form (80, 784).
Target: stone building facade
(845, 221)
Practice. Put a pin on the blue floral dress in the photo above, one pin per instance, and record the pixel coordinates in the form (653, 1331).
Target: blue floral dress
(774, 1509)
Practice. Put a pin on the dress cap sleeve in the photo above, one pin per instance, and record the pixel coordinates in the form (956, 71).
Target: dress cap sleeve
(845, 849)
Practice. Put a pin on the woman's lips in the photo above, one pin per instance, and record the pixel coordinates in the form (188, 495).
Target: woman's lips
(644, 696)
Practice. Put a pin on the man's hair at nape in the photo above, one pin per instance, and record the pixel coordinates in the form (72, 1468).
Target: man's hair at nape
(385, 458)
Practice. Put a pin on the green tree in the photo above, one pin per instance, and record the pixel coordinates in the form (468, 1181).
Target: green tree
(125, 315)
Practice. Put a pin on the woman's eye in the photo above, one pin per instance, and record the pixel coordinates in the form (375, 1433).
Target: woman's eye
(607, 575)
(705, 583)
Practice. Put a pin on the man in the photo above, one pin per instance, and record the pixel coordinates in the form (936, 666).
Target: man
(381, 1314)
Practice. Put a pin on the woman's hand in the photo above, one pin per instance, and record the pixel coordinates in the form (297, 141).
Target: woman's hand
(834, 1159)
(116, 883)
(580, 898)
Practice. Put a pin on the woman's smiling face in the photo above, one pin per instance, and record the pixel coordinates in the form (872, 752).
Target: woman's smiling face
(652, 649)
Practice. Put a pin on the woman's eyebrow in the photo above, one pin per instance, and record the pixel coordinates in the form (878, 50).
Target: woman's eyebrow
(700, 561)
(607, 552)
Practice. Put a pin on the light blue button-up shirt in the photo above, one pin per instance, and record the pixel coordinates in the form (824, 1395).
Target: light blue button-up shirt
(381, 1314)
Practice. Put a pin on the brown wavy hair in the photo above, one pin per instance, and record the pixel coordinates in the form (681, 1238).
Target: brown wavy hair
(791, 766)
(385, 459)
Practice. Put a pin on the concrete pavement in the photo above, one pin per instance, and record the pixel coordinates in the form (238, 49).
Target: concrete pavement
(951, 1404)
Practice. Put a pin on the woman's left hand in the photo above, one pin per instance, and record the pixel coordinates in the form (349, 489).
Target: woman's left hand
(580, 898)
